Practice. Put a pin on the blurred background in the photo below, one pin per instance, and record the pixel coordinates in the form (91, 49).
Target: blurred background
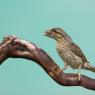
(29, 19)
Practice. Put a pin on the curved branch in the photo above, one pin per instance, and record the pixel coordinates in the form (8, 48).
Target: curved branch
(18, 48)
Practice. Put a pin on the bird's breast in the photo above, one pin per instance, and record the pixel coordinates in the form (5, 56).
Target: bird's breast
(69, 57)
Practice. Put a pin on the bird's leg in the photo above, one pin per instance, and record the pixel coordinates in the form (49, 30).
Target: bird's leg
(79, 73)
(65, 67)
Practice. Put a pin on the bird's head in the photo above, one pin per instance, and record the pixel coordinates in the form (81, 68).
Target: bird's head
(57, 33)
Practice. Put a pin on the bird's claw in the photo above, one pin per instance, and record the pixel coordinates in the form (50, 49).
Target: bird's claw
(62, 69)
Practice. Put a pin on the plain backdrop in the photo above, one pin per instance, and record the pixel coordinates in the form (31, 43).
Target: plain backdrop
(29, 19)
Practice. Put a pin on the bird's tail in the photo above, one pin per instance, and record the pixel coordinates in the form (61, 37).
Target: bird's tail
(89, 67)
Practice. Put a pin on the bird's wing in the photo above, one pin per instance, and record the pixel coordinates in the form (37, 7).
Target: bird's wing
(77, 51)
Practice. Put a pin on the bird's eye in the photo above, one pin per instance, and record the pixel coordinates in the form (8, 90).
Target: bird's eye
(54, 30)
(53, 33)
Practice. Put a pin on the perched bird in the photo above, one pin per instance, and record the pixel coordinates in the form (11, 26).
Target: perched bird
(70, 53)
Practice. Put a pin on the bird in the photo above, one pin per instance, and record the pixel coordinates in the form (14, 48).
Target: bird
(70, 52)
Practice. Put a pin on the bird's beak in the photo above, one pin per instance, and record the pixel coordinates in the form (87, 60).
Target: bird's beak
(46, 33)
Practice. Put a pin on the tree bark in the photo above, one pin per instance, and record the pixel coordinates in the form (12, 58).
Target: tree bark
(14, 47)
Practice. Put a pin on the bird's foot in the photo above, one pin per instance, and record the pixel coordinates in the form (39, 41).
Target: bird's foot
(62, 69)
(65, 67)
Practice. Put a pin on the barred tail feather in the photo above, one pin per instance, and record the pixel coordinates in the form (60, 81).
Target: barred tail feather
(89, 67)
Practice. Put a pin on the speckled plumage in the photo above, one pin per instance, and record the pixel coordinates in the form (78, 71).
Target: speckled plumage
(70, 53)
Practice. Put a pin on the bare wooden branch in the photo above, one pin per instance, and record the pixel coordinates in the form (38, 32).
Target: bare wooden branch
(15, 47)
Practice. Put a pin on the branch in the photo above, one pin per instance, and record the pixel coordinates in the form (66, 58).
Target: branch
(14, 47)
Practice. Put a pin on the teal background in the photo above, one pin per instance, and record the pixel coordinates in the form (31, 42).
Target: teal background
(28, 19)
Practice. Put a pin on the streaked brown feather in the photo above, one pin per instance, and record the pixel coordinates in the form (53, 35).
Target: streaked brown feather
(77, 51)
